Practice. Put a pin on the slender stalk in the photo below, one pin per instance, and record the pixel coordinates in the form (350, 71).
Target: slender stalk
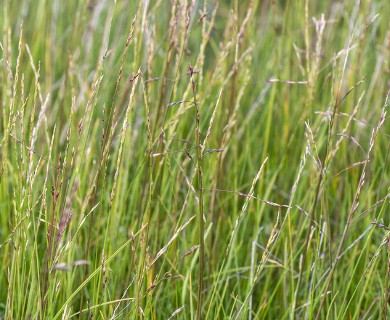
(354, 206)
(387, 286)
(200, 200)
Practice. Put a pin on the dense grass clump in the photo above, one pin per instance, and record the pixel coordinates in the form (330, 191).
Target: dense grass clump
(194, 159)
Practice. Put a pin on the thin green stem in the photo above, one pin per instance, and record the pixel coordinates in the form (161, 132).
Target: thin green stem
(200, 200)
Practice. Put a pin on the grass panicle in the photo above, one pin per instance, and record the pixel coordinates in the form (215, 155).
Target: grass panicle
(194, 159)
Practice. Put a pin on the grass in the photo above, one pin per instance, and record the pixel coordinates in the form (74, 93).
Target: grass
(194, 159)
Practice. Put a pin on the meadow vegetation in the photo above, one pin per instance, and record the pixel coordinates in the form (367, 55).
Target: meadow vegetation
(190, 159)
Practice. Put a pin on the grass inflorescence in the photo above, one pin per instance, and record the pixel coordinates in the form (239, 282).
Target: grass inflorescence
(194, 159)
